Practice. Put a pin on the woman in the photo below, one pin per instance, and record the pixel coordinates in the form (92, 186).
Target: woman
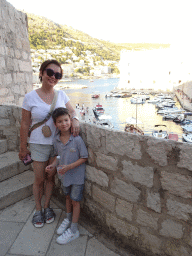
(36, 106)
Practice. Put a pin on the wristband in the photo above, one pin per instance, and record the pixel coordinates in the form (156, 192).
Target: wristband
(75, 117)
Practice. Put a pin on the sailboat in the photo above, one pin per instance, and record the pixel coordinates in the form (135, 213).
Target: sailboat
(131, 125)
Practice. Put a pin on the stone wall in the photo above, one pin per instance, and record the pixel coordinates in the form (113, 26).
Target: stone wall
(15, 59)
(138, 188)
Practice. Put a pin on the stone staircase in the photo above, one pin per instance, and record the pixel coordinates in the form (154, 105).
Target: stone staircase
(16, 179)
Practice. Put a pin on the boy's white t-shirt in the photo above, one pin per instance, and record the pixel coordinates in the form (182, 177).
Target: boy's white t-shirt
(39, 110)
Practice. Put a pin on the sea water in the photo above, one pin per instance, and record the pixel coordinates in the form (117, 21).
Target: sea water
(119, 108)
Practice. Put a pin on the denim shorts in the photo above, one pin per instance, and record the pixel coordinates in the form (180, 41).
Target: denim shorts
(75, 192)
(41, 152)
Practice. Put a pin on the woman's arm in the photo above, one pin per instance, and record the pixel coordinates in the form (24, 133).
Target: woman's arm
(25, 123)
(75, 123)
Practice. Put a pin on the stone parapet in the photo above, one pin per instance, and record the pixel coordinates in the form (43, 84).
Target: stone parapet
(143, 202)
(15, 59)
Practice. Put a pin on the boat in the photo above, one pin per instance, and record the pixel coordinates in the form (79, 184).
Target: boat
(173, 110)
(169, 116)
(137, 101)
(98, 110)
(103, 120)
(131, 126)
(160, 134)
(187, 127)
(95, 96)
(179, 119)
(187, 137)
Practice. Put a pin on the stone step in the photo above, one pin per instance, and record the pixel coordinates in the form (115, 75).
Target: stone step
(16, 188)
(10, 165)
(3, 146)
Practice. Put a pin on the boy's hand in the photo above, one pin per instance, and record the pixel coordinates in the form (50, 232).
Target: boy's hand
(63, 169)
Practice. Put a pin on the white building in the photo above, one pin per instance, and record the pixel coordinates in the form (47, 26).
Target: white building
(153, 69)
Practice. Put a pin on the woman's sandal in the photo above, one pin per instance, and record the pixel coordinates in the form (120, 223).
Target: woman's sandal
(38, 219)
(49, 215)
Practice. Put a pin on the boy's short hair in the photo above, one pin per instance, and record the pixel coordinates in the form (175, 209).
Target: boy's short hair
(59, 112)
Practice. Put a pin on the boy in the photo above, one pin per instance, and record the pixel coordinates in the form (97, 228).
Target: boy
(71, 171)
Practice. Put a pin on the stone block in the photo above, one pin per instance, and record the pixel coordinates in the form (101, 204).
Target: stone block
(121, 143)
(125, 190)
(17, 54)
(104, 198)
(154, 201)
(185, 156)
(124, 209)
(122, 227)
(107, 162)
(146, 219)
(179, 210)
(150, 242)
(10, 65)
(171, 229)
(91, 159)
(93, 136)
(158, 150)
(177, 184)
(175, 249)
(25, 66)
(2, 64)
(5, 122)
(97, 176)
(3, 91)
(87, 187)
(136, 173)
(7, 79)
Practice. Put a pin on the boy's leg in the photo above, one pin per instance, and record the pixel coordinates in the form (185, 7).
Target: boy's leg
(76, 214)
(67, 221)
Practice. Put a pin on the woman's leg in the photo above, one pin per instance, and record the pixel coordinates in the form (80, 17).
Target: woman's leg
(38, 185)
(49, 184)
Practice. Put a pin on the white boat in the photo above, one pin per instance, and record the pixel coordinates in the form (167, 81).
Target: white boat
(170, 110)
(172, 116)
(187, 137)
(159, 133)
(187, 127)
(155, 100)
(137, 101)
(103, 120)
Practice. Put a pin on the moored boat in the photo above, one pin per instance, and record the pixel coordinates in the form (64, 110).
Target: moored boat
(160, 134)
(187, 137)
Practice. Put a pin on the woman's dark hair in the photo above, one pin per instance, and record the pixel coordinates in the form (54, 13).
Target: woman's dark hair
(59, 112)
(46, 63)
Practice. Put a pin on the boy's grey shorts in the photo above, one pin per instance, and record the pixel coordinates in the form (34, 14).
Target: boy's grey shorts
(41, 152)
(75, 192)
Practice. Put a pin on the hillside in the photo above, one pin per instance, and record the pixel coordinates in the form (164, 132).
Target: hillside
(45, 34)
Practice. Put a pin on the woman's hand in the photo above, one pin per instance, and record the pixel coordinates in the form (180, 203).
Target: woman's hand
(75, 128)
(23, 152)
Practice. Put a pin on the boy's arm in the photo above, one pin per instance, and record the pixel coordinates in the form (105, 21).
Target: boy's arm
(68, 167)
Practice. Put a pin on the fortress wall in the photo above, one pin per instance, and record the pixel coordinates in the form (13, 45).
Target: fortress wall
(138, 188)
(15, 60)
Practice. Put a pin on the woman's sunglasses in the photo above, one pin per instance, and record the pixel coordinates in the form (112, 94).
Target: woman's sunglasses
(50, 72)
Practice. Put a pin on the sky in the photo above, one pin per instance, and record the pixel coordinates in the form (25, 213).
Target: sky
(119, 21)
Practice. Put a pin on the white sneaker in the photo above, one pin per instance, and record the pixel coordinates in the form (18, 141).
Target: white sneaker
(67, 237)
(63, 227)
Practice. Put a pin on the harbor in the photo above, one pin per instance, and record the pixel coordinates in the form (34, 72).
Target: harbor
(119, 107)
